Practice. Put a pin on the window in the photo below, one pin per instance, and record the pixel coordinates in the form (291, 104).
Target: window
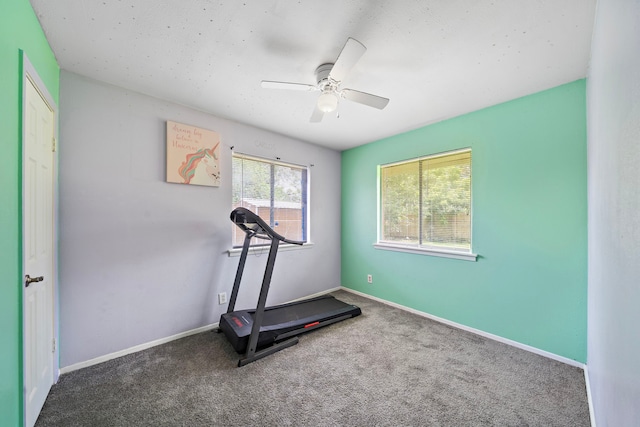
(275, 191)
(426, 203)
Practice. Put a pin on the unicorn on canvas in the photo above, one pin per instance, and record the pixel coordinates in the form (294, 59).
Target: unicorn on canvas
(201, 167)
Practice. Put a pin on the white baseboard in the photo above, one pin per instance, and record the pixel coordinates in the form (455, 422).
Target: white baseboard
(587, 382)
(165, 340)
(160, 341)
(473, 330)
(516, 344)
(136, 348)
(318, 294)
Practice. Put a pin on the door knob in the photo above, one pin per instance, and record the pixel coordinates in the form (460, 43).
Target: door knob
(29, 280)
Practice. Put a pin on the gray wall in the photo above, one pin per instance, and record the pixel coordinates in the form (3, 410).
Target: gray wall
(141, 259)
(614, 214)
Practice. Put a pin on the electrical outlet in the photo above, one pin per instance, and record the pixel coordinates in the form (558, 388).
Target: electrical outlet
(222, 298)
(369, 278)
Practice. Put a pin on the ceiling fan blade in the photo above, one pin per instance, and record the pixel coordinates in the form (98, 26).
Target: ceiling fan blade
(365, 98)
(286, 85)
(350, 54)
(316, 116)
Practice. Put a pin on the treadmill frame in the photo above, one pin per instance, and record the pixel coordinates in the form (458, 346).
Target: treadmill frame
(253, 353)
(254, 226)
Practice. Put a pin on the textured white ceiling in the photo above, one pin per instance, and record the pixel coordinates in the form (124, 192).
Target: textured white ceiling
(434, 59)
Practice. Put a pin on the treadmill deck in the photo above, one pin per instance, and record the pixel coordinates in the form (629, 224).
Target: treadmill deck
(286, 318)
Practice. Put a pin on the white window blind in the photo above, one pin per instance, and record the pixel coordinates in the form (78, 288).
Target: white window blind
(426, 202)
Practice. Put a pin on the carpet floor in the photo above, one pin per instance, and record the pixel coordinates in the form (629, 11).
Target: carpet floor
(386, 367)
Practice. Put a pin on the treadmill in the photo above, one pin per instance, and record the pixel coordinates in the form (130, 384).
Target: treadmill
(266, 330)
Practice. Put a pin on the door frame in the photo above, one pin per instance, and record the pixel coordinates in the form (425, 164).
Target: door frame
(28, 72)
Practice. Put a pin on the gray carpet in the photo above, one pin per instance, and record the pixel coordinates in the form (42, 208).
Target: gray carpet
(384, 368)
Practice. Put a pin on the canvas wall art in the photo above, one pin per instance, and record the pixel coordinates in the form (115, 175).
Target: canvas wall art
(193, 155)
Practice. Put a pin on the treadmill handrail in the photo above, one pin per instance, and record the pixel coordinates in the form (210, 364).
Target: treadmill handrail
(253, 225)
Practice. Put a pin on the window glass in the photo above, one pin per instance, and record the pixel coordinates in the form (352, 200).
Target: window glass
(446, 201)
(275, 191)
(401, 203)
(426, 202)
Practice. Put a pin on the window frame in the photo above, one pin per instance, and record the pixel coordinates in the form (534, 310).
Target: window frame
(417, 248)
(261, 246)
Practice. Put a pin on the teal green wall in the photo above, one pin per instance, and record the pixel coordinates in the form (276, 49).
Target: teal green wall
(529, 193)
(19, 29)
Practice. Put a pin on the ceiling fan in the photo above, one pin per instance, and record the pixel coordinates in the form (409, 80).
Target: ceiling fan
(329, 77)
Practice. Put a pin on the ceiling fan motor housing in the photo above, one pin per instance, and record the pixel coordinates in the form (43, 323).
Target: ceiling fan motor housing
(322, 76)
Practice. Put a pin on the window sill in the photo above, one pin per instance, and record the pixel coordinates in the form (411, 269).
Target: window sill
(259, 250)
(430, 252)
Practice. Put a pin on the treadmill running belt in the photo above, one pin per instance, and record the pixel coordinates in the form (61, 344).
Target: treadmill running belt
(284, 318)
(303, 310)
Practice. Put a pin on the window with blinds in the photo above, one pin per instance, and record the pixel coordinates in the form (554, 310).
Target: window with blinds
(426, 202)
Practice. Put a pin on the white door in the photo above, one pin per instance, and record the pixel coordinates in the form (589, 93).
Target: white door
(38, 251)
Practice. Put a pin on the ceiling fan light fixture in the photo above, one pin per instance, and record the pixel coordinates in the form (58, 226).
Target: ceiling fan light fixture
(327, 102)
(329, 77)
